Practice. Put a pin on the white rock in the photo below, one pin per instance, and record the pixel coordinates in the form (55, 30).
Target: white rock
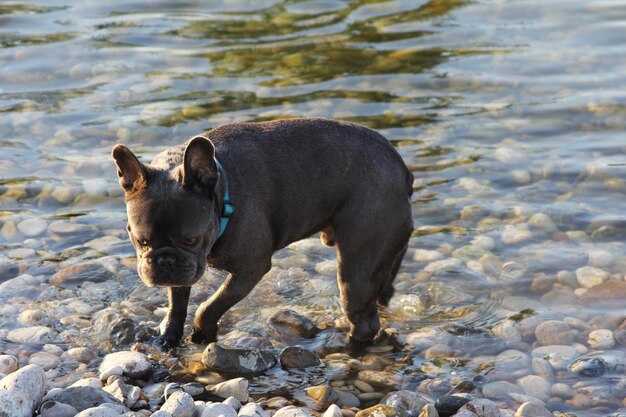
(600, 258)
(45, 360)
(233, 402)
(423, 255)
(135, 364)
(521, 176)
(536, 386)
(589, 276)
(8, 364)
(180, 404)
(515, 234)
(113, 370)
(252, 410)
(443, 266)
(601, 339)
(237, 387)
(484, 242)
(22, 391)
(542, 222)
(529, 409)
(161, 413)
(508, 155)
(200, 406)
(32, 227)
(332, 411)
(219, 410)
(559, 356)
(34, 334)
(88, 382)
(98, 412)
(292, 411)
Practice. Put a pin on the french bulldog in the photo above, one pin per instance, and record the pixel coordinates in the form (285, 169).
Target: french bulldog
(230, 197)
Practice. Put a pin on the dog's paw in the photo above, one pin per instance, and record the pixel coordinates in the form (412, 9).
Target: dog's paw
(167, 342)
(200, 336)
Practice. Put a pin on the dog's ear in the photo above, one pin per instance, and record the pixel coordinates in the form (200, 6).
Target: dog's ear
(199, 167)
(132, 173)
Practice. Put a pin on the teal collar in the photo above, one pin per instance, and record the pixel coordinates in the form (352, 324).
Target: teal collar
(228, 209)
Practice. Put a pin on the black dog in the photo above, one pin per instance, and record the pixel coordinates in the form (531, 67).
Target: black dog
(265, 185)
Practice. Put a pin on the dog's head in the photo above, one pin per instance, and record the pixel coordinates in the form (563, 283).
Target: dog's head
(173, 220)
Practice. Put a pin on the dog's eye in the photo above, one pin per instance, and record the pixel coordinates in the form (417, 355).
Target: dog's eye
(190, 241)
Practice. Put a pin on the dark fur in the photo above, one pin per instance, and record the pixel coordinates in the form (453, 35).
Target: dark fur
(288, 179)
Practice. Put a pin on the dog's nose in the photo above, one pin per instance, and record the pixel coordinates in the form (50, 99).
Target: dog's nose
(166, 261)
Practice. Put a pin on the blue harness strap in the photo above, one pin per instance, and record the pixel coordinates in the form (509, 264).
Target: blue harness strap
(228, 209)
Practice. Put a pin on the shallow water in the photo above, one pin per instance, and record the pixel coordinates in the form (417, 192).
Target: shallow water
(510, 114)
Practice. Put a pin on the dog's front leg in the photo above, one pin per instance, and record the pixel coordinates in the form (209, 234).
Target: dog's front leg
(233, 290)
(173, 325)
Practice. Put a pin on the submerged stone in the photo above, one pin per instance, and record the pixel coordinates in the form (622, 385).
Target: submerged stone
(298, 358)
(237, 361)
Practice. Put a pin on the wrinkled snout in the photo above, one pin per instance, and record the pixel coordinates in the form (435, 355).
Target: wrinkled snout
(166, 267)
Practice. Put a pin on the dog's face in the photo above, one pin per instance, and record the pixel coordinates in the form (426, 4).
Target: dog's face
(172, 216)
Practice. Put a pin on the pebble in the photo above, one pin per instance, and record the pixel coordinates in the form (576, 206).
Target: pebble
(22, 391)
(82, 398)
(424, 255)
(536, 386)
(429, 410)
(237, 387)
(589, 276)
(180, 404)
(98, 412)
(292, 411)
(553, 332)
(404, 402)
(529, 409)
(449, 405)
(34, 334)
(57, 409)
(162, 413)
(292, 325)
(8, 364)
(499, 390)
(252, 410)
(512, 235)
(601, 339)
(237, 361)
(559, 357)
(589, 366)
(298, 358)
(233, 402)
(81, 354)
(217, 410)
(80, 273)
(32, 227)
(45, 360)
(479, 408)
(134, 364)
(363, 386)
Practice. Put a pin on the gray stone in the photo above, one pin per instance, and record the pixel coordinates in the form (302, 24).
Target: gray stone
(127, 394)
(499, 390)
(429, 410)
(233, 402)
(180, 404)
(34, 334)
(237, 361)
(32, 227)
(448, 405)
(404, 403)
(589, 276)
(529, 409)
(78, 274)
(218, 410)
(8, 364)
(98, 412)
(536, 386)
(161, 413)
(82, 398)
(298, 358)
(553, 332)
(479, 408)
(237, 387)
(44, 359)
(559, 357)
(291, 325)
(81, 354)
(292, 411)
(22, 391)
(134, 364)
(57, 409)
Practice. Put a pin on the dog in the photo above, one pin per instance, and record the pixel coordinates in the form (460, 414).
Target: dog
(232, 196)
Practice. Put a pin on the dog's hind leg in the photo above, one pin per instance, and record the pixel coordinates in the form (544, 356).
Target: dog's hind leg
(388, 290)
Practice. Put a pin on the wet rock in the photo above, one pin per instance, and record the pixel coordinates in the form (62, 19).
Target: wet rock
(292, 411)
(323, 395)
(127, 394)
(553, 332)
(379, 378)
(8, 364)
(162, 413)
(234, 403)
(589, 366)
(237, 361)
(404, 403)
(45, 360)
(332, 411)
(78, 274)
(34, 334)
(363, 386)
(536, 386)
(347, 399)
(32, 227)
(429, 410)
(195, 389)
(512, 360)
(292, 325)
(589, 276)
(601, 339)
(135, 365)
(449, 405)
(180, 404)
(479, 408)
(298, 358)
(563, 391)
(98, 412)
(82, 398)
(427, 337)
(81, 354)
(512, 235)
(56, 409)
(22, 391)
(542, 368)
(424, 255)
(607, 294)
(237, 388)
(542, 222)
(559, 357)
(499, 390)
(171, 388)
(219, 410)
(529, 409)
